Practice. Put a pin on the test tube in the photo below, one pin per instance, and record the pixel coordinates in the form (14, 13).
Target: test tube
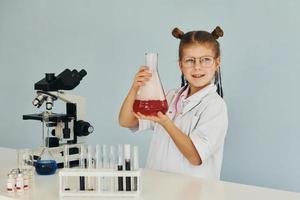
(82, 166)
(98, 161)
(135, 166)
(66, 165)
(127, 165)
(105, 165)
(98, 165)
(90, 180)
(112, 166)
(120, 167)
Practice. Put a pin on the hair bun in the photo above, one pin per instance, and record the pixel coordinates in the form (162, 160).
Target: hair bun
(177, 33)
(217, 32)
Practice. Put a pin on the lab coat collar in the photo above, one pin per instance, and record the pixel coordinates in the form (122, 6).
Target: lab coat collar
(196, 98)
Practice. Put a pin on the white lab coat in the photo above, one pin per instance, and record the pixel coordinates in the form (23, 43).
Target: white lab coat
(203, 117)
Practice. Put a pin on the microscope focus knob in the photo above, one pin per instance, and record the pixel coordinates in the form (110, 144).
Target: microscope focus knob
(83, 128)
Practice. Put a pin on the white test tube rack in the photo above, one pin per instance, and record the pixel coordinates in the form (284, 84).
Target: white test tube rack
(98, 173)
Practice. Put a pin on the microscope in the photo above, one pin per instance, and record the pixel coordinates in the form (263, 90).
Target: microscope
(66, 129)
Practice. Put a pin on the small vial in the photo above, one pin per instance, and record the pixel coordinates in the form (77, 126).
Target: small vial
(11, 181)
(15, 173)
(26, 180)
(20, 183)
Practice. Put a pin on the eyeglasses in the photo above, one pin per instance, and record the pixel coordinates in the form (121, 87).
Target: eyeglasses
(205, 61)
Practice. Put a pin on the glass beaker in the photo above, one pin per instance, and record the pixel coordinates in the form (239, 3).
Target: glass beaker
(46, 164)
(24, 159)
(150, 98)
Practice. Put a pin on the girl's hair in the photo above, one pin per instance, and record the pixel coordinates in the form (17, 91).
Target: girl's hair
(201, 37)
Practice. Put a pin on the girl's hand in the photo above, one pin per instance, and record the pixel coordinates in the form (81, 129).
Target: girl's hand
(161, 118)
(141, 77)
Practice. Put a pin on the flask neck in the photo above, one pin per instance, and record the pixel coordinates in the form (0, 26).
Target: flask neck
(151, 61)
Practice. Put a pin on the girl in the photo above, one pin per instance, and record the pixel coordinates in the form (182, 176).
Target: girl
(189, 138)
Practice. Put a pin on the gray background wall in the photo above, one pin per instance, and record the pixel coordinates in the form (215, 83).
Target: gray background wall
(260, 63)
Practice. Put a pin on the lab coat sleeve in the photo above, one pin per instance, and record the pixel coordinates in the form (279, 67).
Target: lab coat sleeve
(143, 125)
(210, 131)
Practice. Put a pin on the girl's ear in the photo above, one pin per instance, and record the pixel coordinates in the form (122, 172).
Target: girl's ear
(218, 62)
(180, 65)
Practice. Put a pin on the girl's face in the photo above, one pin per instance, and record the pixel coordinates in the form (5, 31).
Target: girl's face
(198, 65)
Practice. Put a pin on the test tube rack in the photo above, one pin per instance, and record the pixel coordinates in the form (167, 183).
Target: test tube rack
(98, 174)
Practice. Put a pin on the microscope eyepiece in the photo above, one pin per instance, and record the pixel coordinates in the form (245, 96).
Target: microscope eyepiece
(82, 73)
(50, 77)
(66, 80)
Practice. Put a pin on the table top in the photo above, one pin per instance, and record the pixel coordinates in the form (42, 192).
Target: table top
(155, 185)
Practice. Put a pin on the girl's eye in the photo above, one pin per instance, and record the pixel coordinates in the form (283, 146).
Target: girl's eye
(206, 59)
(189, 60)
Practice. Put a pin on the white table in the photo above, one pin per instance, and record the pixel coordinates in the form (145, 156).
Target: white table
(155, 185)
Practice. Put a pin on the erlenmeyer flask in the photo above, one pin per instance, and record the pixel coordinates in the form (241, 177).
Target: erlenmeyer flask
(46, 164)
(151, 98)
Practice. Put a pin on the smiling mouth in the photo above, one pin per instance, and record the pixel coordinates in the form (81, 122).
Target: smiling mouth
(198, 75)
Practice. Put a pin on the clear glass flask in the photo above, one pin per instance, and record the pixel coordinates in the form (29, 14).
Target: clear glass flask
(46, 164)
(150, 98)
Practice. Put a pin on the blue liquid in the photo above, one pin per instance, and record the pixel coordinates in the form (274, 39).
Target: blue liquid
(45, 167)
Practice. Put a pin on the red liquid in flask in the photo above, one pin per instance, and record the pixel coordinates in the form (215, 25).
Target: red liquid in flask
(150, 107)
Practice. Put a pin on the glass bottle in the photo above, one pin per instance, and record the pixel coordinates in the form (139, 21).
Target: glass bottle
(150, 98)
(46, 164)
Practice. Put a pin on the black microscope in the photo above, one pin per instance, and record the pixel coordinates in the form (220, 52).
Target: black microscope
(68, 129)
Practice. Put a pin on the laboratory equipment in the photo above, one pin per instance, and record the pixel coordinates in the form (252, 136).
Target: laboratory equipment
(65, 128)
(106, 176)
(112, 166)
(150, 98)
(26, 180)
(135, 165)
(11, 182)
(98, 159)
(127, 165)
(45, 164)
(20, 183)
(120, 167)
(24, 159)
(105, 165)
(98, 165)
(82, 166)
(66, 165)
(90, 165)
(77, 172)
